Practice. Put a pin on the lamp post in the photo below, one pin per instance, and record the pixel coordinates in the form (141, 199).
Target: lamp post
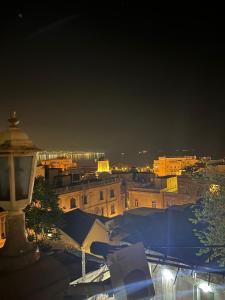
(17, 171)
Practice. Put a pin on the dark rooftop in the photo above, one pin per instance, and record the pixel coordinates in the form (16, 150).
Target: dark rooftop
(168, 232)
(77, 224)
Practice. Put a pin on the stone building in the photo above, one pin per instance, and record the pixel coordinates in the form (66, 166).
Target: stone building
(100, 197)
(193, 186)
(63, 164)
(103, 166)
(147, 197)
(165, 166)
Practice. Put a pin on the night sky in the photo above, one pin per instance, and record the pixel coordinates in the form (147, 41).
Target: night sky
(116, 78)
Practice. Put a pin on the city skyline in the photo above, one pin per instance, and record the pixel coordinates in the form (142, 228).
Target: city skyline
(115, 78)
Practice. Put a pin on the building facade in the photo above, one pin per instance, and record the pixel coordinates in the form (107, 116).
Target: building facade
(63, 164)
(103, 166)
(145, 197)
(195, 187)
(74, 155)
(102, 197)
(165, 166)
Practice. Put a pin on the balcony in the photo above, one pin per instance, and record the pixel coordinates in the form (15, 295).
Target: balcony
(85, 185)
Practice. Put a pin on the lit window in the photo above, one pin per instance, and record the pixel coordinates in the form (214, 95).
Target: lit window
(73, 203)
(112, 209)
(112, 194)
(101, 195)
(153, 204)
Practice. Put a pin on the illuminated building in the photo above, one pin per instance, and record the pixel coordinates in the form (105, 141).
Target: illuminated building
(103, 166)
(74, 155)
(102, 197)
(165, 166)
(63, 163)
(156, 192)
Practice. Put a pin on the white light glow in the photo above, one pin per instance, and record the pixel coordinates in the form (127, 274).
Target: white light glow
(205, 287)
(167, 274)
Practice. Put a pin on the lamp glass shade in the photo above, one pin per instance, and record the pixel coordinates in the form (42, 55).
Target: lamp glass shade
(23, 167)
(4, 179)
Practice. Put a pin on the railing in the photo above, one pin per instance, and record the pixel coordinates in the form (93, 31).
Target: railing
(85, 186)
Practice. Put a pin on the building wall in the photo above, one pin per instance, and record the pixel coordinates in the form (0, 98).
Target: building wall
(103, 166)
(88, 199)
(165, 166)
(195, 187)
(58, 163)
(140, 197)
(145, 198)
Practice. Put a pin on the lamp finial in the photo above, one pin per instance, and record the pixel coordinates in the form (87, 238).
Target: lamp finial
(13, 120)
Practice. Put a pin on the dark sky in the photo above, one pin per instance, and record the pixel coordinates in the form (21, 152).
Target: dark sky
(117, 78)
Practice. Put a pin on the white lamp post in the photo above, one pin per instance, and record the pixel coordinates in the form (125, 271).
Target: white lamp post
(17, 171)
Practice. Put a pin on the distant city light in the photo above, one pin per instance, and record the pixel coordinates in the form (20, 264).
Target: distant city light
(142, 152)
(75, 155)
(167, 274)
(205, 287)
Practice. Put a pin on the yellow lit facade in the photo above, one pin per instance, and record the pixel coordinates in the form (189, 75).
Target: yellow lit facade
(171, 184)
(100, 198)
(165, 166)
(103, 166)
(59, 163)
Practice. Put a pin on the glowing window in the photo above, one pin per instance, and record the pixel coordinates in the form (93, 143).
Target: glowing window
(73, 203)
(153, 204)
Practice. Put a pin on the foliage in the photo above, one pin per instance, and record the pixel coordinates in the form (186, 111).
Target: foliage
(211, 215)
(43, 215)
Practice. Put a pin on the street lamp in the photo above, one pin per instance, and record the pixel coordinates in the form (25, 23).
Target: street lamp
(17, 171)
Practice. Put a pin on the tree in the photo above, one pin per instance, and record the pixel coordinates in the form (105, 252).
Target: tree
(43, 215)
(211, 216)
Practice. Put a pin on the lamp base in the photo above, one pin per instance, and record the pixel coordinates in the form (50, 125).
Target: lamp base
(17, 252)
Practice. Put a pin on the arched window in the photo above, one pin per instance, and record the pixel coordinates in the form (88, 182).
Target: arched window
(73, 203)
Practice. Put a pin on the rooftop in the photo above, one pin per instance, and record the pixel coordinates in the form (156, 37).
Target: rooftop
(77, 224)
(168, 232)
